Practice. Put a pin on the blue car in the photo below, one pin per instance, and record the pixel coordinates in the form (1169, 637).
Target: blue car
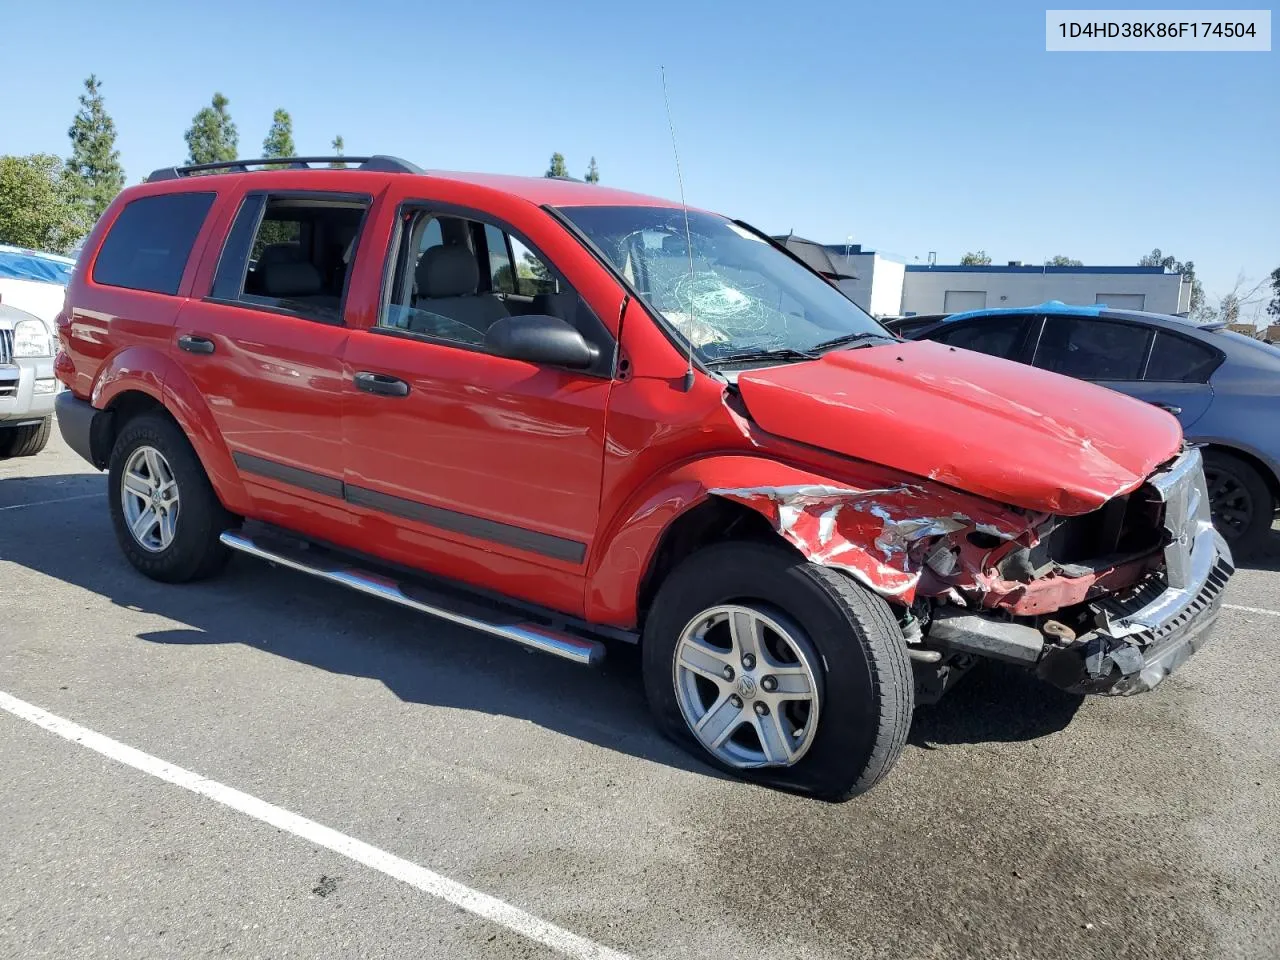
(1222, 387)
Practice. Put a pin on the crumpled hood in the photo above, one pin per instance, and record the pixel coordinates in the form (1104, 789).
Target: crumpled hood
(991, 427)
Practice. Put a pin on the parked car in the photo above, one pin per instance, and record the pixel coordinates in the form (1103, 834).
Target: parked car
(1222, 387)
(34, 281)
(27, 383)
(525, 405)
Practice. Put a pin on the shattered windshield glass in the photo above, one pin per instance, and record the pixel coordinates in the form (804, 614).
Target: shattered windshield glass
(735, 294)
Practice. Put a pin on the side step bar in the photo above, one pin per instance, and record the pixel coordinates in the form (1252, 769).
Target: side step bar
(422, 599)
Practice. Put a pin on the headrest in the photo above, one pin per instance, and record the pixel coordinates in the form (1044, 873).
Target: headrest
(300, 279)
(447, 272)
(272, 253)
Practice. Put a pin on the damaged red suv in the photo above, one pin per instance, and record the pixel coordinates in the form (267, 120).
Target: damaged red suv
(562, 415)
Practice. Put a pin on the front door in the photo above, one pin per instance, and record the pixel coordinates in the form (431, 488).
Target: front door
(265, 349)
(458, 461)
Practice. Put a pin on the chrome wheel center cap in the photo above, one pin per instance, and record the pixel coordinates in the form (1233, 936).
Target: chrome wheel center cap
(746, 687)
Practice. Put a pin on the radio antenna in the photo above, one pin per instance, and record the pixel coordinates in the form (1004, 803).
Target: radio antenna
(688, 234)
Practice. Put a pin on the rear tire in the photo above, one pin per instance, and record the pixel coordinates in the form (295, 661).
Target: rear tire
(186, 546)
(25, 441)
(1242, 504)
(864, 694)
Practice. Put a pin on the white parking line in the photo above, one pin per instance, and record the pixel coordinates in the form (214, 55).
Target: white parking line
(1262, 610)
(43, 503)
(429, 882)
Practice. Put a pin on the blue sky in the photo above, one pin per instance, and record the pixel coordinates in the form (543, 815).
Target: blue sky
(912, 127)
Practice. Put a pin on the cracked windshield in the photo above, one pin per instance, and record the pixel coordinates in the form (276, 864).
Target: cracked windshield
(741, 298)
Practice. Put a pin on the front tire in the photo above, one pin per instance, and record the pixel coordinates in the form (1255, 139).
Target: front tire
(778, 670)
(25, 441)
(166, 516)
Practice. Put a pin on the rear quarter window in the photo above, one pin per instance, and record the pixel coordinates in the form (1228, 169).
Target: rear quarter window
(148, 245)
(1177, 359)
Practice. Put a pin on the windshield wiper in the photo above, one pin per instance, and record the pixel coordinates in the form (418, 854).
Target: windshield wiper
(846, 339)
(775, 353)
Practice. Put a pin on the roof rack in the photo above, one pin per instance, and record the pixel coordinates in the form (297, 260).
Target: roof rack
(374, 164)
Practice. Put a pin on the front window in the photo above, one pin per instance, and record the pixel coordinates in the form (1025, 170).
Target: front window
(730, 292)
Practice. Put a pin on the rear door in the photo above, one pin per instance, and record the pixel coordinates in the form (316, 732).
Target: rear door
(1136, 359)
(264, 346)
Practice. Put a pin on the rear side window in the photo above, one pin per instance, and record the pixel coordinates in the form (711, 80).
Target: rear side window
(148, 245)
(291, 253)
(1177, 359)
(1093, 349)
(996, 336)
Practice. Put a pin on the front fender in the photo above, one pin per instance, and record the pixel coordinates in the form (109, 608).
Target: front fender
(152, 372)
(873, 533)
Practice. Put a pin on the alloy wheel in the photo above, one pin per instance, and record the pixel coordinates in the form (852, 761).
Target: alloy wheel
(747, 682)
(149, 495)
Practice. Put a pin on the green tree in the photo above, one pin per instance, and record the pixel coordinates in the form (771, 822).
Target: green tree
(212, 137)
(1200, 309)
(976, 258)
(1058, 260)
(94, 164)
(338, 151)
(557, 168)
(279, 140)
(593, 172)
(39, 203)
(1273, 308)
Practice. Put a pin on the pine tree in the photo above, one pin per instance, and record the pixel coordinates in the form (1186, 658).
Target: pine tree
(558, 168)
(593, 172)
(338, 151)
(279, 140)
(94, 165)
(212, 137)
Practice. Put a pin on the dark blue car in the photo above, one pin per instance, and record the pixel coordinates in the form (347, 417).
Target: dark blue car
(1223, 387)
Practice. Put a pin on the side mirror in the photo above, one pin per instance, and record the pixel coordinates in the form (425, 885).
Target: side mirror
(541, 339)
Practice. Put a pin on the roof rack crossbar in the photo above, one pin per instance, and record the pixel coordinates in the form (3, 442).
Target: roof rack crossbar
(377, 164)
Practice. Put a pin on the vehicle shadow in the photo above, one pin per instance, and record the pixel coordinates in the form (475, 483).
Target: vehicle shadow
(423, 660)
(1264, 556)
(994, 703)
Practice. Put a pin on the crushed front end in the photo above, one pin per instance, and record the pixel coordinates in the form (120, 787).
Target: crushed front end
(1110, 601)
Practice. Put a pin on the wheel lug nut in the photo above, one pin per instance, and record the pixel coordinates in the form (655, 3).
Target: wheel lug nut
(769, 683)
(761, 708)
(736, 700)
(748, 661)
(727, 673)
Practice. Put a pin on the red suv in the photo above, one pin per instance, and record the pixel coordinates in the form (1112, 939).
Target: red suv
(564, 414)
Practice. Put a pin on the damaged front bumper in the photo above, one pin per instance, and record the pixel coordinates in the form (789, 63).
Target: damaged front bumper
(1135, 637)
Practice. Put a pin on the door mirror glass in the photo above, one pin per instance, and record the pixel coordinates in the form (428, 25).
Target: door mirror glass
(541, 339)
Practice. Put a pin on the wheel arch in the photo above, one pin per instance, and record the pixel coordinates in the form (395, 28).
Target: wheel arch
(1265, 469)
(680, 510)
(139, 380)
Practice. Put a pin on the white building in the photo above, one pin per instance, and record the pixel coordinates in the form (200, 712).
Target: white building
(886, 287)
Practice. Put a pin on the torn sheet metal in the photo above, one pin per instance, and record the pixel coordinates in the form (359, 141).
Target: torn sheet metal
(879, 536)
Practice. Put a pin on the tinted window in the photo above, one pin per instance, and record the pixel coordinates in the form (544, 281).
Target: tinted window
(1093, 349)
(1176, 358)
(292, 254)
(148, 245)
(997, 336)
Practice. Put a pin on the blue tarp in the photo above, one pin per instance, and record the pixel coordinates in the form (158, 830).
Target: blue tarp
(32, 266)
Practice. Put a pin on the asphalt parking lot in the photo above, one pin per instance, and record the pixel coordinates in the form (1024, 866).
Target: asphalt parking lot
(1021, 822)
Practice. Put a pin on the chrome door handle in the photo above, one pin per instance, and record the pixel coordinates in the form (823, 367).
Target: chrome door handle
(1171, 407)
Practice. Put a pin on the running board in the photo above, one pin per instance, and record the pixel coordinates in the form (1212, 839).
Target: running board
(415, 597)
